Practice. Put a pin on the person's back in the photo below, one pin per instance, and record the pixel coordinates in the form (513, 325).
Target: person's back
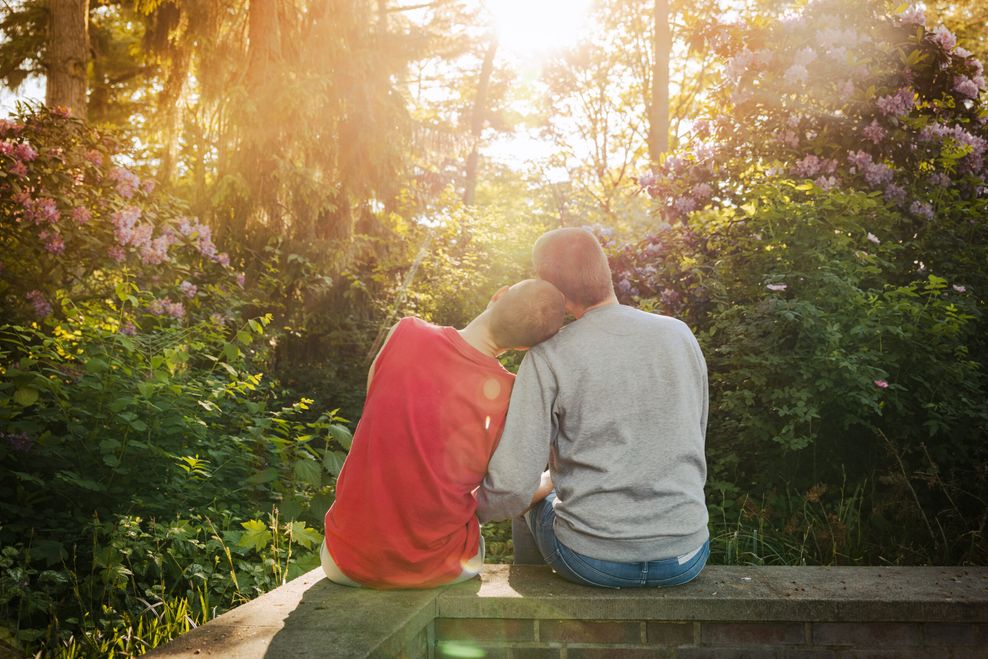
(616, 403)
(404, 515)
(404, 512)
(628, 462)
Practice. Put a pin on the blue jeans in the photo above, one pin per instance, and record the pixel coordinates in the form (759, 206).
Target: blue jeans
(588, 571)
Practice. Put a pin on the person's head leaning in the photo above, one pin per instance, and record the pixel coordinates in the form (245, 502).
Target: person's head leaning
(574, 262)
(525, 314)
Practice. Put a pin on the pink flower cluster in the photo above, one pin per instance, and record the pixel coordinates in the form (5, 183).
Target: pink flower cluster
(943, 38)
(126, 181)
(812, 165)
(166, 307)
(875, 173)
(43, 210)
(41, 306)
(977, 145)
(53, 241)
(188, 289)
(914, 16)
(922, 210)
(874, 132)
(897, 105)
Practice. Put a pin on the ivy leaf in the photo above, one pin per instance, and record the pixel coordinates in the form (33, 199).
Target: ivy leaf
(26, 396)
(256, 534)
(304, 535)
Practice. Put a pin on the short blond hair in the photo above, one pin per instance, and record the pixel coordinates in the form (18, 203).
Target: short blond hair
(573, 261)
(526, 314)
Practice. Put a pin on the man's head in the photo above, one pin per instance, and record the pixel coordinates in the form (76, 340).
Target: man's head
(527, 313)
(574, 262)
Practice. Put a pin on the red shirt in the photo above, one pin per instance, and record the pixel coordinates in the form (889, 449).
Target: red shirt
(405, 512)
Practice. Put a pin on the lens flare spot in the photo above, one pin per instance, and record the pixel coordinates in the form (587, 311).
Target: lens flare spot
(487, 423)
(492, 389)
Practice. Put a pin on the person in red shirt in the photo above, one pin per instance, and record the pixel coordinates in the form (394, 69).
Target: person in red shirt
(405, 508)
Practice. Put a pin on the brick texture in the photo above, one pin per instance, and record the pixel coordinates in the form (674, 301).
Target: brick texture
(470, 629)
(458, 649)
(535, 653)
(867, 634)
(582, 631)
(756, 633)
(728, 653)
(617, 653)
(948, 634)
(669, 633)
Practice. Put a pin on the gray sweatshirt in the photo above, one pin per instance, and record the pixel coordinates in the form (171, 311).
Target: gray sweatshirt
(616, 404)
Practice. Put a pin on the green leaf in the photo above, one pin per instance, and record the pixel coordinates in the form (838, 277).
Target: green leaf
(332, 461)
(305, 535)
(256, 535)
(308, 471)
(261, 477)
(231, 351)
(244, 337)
(26, 396)
(341, 435)
(255, 326)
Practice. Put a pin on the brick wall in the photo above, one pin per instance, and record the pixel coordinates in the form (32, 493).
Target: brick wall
(598, 639)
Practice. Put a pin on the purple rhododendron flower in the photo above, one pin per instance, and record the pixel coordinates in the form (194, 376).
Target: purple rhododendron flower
(796, 74)
(81, 215)
(25, 152)
(41, 211)
(647, 180)
(944, 38)
(702, 191)
(826, 183)
(128, 329)
(776, 287)
(126, 181)
(898, 104)
(965, 87)
(921, 209)
(54, 243)
(116, 253)
(808, 167)
(19, 442)
(873, 238)
(93, 157)
(670, 298)
(188, 289)
(959, 288)
(684, 204)
(881, 384)
(913, 16)
(874, 132)
(40, 304)
(241, 279)
(894, 194)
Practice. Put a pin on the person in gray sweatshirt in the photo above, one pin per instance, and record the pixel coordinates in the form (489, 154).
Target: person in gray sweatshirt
(616, 405)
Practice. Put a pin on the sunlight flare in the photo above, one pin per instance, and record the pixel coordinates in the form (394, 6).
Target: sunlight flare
(524, 27)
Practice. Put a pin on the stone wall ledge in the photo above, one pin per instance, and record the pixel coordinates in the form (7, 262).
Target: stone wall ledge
(527, 611)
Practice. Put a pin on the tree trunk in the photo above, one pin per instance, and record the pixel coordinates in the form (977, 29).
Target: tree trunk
(658, 111)
(477, 123)
(68, 55)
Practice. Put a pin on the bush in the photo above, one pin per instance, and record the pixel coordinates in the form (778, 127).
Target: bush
(142, 447)
(831, 256)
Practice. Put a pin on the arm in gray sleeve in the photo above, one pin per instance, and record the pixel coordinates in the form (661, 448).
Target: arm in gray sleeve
(515, 469)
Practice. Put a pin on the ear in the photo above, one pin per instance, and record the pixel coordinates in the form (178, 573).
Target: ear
(500, 292)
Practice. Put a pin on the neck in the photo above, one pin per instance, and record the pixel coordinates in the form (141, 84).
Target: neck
(578, 312)
(478, 336)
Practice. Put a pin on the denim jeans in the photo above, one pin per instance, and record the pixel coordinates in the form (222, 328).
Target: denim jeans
(588, 571)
